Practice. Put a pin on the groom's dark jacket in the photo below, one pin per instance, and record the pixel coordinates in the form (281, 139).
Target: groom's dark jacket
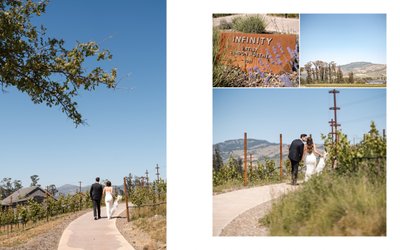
(296, 150)
(96, 191)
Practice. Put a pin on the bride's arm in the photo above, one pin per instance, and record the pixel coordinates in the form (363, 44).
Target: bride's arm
(316, 151)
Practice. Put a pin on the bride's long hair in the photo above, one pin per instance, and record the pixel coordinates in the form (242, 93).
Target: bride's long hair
(310, 144)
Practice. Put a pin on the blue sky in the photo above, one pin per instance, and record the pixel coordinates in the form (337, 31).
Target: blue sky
(126, 131)
(265, 113)
(343, 38)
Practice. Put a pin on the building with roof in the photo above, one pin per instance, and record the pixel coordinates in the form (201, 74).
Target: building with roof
(23, 195)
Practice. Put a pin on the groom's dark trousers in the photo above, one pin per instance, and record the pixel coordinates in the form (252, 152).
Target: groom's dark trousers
(96, 192)
(295, 154)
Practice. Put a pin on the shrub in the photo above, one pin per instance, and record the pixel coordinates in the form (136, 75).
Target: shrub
(224, 25)
(249, 24)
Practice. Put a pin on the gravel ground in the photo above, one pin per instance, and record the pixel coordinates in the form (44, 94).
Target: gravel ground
(139, 239)
(51, 236)
(274, 24)
(247, 223)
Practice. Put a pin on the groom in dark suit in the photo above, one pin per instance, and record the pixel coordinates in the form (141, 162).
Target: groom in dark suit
(296, 150)
(96, 192)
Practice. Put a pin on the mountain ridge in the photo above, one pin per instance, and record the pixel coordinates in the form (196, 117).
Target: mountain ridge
(258, 148)
(361, 69)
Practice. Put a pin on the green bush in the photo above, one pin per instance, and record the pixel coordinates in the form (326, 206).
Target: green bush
(347, 200)
(249, 24)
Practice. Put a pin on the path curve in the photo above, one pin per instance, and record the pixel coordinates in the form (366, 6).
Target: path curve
(87, 233)
(228, 206)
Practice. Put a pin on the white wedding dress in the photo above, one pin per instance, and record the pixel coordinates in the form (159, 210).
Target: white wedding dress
(109, 202)
(311, 164)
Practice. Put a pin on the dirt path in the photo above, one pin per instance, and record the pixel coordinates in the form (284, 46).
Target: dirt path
(228, 208)
(87, 233)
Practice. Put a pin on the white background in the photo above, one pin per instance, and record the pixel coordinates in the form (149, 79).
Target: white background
(189, 123)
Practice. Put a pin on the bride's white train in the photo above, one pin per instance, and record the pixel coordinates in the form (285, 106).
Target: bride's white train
(321, 163)
(311, 164)
(115, 205)
(311, 159)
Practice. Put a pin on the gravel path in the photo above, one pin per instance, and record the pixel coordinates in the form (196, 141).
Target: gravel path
(247, 224)
(228, 206)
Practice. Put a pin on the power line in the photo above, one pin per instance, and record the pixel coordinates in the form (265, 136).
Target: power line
(372, 98)
(364, 118)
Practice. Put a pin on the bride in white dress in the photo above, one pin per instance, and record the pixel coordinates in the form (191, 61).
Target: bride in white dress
(108, 192)
(311, 158)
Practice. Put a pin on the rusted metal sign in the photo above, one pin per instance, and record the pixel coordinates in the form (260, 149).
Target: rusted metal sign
(273, 53)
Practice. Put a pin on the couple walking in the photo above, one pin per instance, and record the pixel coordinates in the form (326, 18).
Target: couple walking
(305, 147)
(97, 191)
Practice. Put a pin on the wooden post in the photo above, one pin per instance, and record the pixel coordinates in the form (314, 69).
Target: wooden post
(126, 199)
(245, 159)
(280, 157)
(251, 165)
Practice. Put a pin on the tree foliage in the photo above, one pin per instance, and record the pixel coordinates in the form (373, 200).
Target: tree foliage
(35, 180)
(8, 186)
(33, 211)
(368, 156)
(41, 66)
(232, 171)
(217, 159)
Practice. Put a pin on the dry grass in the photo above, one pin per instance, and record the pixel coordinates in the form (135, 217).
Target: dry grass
(155, 227)
(41, 234)
(147, 230)
(332, 206)
(145, 233)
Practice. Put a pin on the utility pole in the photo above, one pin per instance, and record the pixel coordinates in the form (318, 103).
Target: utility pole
(147, 177)
(80, 187)
(158, 174)
(334, 124)
(334, 108)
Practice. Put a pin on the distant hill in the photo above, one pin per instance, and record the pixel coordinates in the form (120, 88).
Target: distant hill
(71, 189)
(360, 70)
(258, 148)
(364, 69)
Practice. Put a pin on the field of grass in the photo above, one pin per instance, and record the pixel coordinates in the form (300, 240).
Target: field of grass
(344, 85)
(331, 205)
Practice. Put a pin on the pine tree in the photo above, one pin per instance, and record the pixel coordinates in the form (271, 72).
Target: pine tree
(217, 159)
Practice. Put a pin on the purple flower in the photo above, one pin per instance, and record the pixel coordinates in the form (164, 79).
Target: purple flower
(286, 80)
(266, 80)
